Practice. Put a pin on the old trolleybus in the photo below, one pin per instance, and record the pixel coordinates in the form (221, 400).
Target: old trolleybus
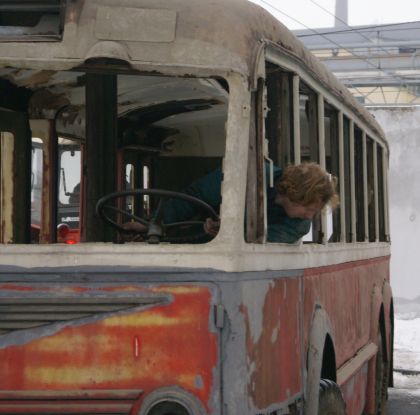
(130, 100)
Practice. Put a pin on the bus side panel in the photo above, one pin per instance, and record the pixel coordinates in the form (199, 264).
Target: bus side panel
(273, 341)
(345, 293)
(162, 336)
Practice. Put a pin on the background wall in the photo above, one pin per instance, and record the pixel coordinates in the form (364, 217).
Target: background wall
(402, 127)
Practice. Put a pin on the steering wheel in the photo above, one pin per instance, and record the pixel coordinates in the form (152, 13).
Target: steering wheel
(155, 228)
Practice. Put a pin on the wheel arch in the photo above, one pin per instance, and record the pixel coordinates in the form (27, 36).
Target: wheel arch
(391, 346)
(329, 367)
(382, 310)
(320, 358)
(388, 324)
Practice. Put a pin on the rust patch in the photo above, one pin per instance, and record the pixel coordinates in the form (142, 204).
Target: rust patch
(36, 79)
(164, 344)
(274, 359)
(45, 100)
(74, 10)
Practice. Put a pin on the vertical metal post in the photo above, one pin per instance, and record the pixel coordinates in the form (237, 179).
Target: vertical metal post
(17, 123)
(376, 191)
(100, 175)
(321, 130)
(50, 176)
(386, 196)
(352, 184)
(322, 162)
(342, 181)
(6, 187)
(365, 187)
(296, 118)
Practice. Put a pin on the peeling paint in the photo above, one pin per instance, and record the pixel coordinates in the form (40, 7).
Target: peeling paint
(99, 354)
(274, 362)
(199, 384)
(253, 294)
(43, 101)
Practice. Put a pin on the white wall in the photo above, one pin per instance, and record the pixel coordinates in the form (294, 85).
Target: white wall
(402, 128)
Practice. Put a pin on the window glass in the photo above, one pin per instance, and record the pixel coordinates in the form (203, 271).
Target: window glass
(36, 181)
(69, 183)
(36, 188)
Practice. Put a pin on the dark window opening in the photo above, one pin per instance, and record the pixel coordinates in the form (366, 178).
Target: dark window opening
(359, 186)
(309, 145)
(332, 166)
(371, 189)
(347, 180)
(32, 18)
(309, 140)
(381, 195)
(279, 121)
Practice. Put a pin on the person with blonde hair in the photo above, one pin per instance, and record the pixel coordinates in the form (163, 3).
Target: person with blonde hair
(299, 193)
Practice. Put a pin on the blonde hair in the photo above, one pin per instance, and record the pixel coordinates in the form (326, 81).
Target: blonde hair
(308, 183)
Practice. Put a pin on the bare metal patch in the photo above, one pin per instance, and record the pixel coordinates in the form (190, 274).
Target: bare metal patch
(254, 294)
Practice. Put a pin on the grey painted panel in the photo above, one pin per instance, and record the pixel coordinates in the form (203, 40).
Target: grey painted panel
(141, 25)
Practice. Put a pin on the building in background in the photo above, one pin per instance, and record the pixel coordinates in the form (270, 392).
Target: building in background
(380, 64)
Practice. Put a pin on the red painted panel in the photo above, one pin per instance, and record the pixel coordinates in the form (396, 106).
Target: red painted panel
(157, 346)
(345, 292)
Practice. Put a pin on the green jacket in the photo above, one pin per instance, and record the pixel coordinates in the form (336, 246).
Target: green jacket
(281, 228)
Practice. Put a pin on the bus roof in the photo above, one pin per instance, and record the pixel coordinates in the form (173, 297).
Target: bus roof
(153, 34)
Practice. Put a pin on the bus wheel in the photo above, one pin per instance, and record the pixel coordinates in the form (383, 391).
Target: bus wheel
(381, 379)
(331, 400)
(168, 408)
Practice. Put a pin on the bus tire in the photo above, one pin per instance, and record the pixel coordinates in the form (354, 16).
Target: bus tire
(381, 379)
(331, 401)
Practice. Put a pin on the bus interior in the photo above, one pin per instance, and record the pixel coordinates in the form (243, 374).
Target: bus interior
(92, 133)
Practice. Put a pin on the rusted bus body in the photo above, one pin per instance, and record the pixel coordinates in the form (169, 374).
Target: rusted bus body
(346, 294)
(125, 334)
(142, 93)
(113, 343)
(210, 344)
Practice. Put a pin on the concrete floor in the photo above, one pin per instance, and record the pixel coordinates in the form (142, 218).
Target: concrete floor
(403, 402)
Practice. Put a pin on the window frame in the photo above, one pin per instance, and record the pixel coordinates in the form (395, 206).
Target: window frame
(348, 213)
